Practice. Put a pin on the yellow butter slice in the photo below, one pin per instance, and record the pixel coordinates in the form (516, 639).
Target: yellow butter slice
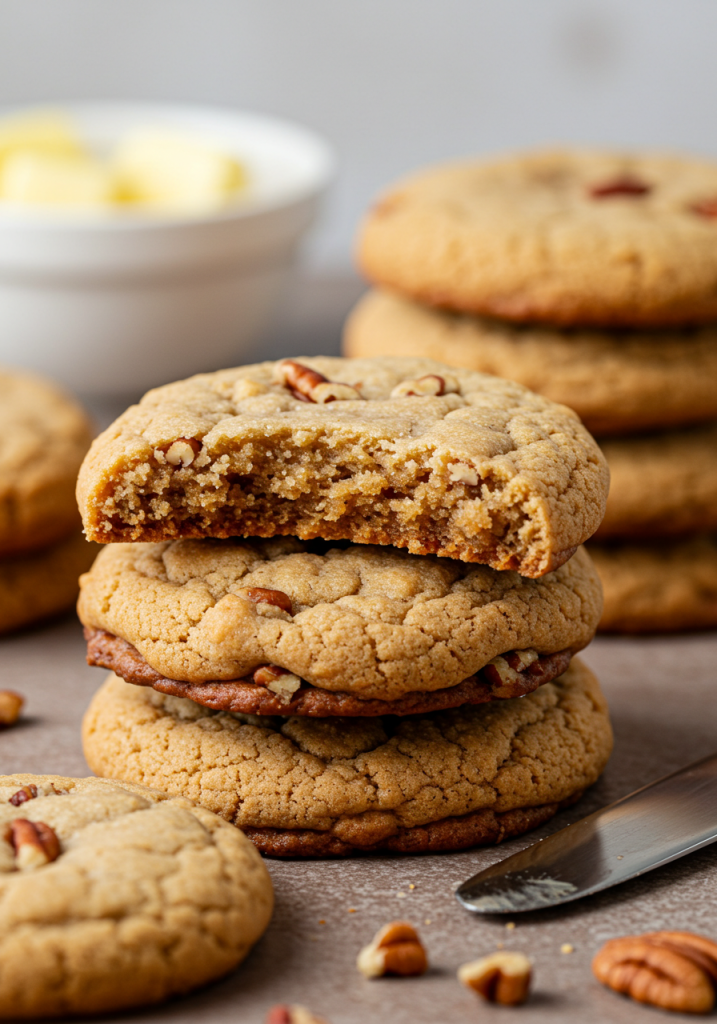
(168, 172)
(45, 179)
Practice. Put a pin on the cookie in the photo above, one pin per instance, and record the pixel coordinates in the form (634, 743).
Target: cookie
(512, 675)
(666, 586)
(147, 897)
(616, 381)
(407, 453)
(661, 485)
(44, 583)
(375, 623)
(44, 436)
(562, 237)
(446, 780)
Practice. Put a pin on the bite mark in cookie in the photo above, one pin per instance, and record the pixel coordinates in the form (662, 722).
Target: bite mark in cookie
(358, 465)
(516, 674)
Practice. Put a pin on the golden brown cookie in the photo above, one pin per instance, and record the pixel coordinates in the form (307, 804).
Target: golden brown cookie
(44, 583)
(114, 896)
(402, 452)
(44, 436)
(376, 623)
(662, 587)
(511, 675)
(563, 237)
(616, 381)
(661, 485)
(446, 780)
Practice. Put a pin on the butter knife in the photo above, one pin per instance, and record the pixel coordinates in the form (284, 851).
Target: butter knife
(650, 827)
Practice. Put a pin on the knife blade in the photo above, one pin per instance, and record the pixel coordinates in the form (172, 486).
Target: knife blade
(650, 827)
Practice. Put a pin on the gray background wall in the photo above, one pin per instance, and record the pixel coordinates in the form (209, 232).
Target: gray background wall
(392, 83)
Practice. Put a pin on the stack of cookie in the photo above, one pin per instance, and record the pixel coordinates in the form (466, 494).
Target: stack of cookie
(592, 279)
(340, 599)
(44, 436)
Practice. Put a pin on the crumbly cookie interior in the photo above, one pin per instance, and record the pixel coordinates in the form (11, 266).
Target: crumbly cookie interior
(483, 471)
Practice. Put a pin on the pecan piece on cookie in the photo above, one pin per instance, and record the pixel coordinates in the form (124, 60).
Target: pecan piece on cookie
(35, 843)
(432, 384)
(269, 601)
(311, 386)
(627, 185)
(395, 949)
(23, 794)
(279, 680)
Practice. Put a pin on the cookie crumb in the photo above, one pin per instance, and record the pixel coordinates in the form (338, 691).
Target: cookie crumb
(567, 948)
(400, 895)
(428, 921)
(411, 885)
(351, 910)
(322, 921)
(620, 856)
(510, 925)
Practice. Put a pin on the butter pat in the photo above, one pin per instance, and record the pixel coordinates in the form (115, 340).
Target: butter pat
(43, 179)
(168, 172)
(39, 133)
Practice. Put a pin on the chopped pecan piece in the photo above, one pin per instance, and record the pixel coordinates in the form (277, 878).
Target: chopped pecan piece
(181, 452)
(273, 598)
(311, 386)
(624, 186)
(500, 978)
(395, 949)
(34, 843)
(429, 386)
(672, 970)
(10, 707)
(279, 680)
(706, 208)
(23, 795)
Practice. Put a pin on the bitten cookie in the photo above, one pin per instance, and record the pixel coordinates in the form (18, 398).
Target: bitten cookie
(616, 381)
(563, 237)
(402, 452)
(114, 896)
(376, 623)
(663, 587)
(44, 436)
(44, 583)
(661, 485)
(312, 787)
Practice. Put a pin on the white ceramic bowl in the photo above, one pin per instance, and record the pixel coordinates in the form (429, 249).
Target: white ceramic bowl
(115, 305)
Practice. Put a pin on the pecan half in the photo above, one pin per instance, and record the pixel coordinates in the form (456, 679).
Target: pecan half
(311, 386)
(283, 1014)
(395, 949)
(23, 795)
(262, 595)
(10, 706)
(500, 978)
(34, 843)
(622, 186)
(431, 385)
(672, 970)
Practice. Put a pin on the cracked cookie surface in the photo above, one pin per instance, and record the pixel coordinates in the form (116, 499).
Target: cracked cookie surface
(39, 584)
(44, 436)
(424, 457)
(149, 897)
(363, 783)
(659, 587)
(616, 381)
(563, 237)
(661, 485)
(364, 620)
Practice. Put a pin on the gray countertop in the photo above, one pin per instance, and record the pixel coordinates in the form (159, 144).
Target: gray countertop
(661, 692)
